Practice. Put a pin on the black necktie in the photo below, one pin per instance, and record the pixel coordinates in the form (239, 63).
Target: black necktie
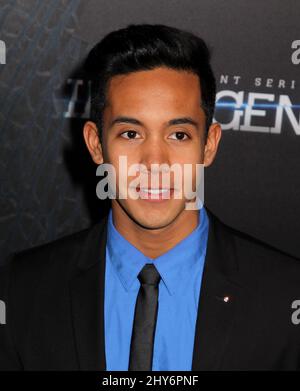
(142, 339)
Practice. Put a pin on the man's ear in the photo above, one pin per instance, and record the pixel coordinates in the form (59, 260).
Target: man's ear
(212, 143)
(91, 138)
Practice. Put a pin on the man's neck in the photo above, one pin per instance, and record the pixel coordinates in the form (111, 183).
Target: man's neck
(154, 242)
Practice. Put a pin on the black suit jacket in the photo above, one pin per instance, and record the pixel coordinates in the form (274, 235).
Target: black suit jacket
(54, 296)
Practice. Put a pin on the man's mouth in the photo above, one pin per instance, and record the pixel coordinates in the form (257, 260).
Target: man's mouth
(154, 191)
(155, 194)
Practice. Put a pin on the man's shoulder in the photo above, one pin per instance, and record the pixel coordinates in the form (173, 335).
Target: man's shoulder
(51, 263)
(257, 256)
(62, 252)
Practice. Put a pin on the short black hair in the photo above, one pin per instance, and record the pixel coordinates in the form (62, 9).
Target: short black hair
(144, 47)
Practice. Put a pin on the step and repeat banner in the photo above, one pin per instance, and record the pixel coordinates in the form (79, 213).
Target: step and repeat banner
(48, 181)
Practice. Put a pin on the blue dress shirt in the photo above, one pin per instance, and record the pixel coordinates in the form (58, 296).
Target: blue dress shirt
(181, 273)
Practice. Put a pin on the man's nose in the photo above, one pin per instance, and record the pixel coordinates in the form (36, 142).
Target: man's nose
(154, 152)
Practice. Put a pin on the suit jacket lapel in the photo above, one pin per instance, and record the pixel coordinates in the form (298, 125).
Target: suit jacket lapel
(87, 299)
(218, 298)
(214, 319)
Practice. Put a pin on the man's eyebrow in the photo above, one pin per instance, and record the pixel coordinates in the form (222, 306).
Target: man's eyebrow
(182, 121)
(174, 121)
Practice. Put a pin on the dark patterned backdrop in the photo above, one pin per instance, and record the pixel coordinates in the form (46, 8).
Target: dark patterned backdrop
(47, 177)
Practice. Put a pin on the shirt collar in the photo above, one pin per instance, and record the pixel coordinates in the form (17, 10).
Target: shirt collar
(174, 266)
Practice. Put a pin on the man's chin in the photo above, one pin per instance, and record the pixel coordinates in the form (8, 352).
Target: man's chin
(153, 218)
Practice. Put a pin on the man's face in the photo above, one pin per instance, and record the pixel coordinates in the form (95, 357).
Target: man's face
(137, 123)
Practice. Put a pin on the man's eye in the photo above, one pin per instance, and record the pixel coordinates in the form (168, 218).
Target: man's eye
(130, 134)
(180, 136)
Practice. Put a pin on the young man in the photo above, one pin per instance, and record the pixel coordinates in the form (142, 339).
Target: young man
(154, 285)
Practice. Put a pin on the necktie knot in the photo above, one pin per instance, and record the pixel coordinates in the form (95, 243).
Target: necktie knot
(149, 275)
